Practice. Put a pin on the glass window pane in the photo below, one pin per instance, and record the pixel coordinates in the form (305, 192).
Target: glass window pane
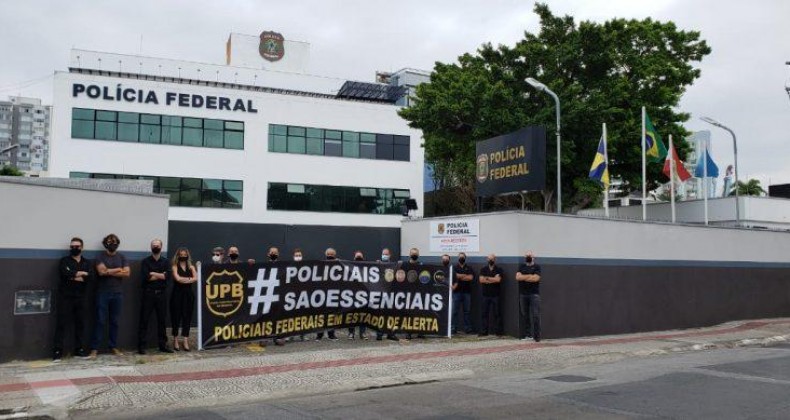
(234, 140)
(129, 117)
(335, 135)
(193, 137)
(400, 193)
(212, 184)
(233, 185)
(211, 197)
(295, 189)
(296, 145)
(171, 135)
(81, 129)
(190, 192)
(351, 149)
(315, 133)
(315, 146)
(401, 152)
(193, 122)
(278, 129)
(234, 125)
(296, 131)
(279, 144)
(333, 148)
(233, 199)
(334, 198)
(212, 138)
(384, 151)
(350, 136)
(367, 138)
(403, 140)
(367, 150)
(128, 132)
(105, 130)
(150, 119)
(105, 115)
(149, 133)
(213, 124)
(315, 196)
(79, 175)
(173, 121)
(384, 139)
(275, 198)
(82, 114)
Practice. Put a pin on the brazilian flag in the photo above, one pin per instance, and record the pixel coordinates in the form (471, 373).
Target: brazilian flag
(654, 147)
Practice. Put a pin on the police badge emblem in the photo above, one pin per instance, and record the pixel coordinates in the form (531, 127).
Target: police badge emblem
(272, 46)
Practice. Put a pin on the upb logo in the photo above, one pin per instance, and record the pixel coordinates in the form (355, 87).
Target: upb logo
(224, 292)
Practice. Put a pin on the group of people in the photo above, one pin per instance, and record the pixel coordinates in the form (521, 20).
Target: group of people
(111, 267)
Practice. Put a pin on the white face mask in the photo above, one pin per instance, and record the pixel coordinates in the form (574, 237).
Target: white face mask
(385, 257)
(216, 258)
(297, 258)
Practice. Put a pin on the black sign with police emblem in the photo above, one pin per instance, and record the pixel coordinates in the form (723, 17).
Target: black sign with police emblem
(511, 162)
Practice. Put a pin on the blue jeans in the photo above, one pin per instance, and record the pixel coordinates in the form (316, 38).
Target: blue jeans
(107, 303)
(530, 314)
(462, 301)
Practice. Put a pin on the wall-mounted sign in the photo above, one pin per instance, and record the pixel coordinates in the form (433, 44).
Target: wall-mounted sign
(28, 302)
(272, 46)
(145, 96)
(455, 235)
(512, 162)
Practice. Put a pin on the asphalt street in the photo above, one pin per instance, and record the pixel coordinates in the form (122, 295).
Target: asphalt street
(735, 383)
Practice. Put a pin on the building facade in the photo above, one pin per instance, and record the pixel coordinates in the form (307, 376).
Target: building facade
(26, 122)
(249, 157)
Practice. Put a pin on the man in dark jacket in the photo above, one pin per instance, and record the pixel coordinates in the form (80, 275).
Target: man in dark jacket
(74, 274)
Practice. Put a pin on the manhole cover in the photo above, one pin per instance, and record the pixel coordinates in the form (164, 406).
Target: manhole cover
(569, 378)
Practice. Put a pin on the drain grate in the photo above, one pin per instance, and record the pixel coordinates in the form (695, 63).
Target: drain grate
(569, 378)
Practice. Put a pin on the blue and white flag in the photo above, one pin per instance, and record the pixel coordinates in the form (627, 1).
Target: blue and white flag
(712, 169)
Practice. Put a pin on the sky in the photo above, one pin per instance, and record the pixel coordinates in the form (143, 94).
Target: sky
(742, 84)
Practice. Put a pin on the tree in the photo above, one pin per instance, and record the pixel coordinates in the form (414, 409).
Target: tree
(750, 187)
(602, 72)
(9, 170)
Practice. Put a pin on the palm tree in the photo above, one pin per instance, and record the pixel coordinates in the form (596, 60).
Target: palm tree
(750, 187)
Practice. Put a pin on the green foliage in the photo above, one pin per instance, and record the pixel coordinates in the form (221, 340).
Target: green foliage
(8, 170)
(602, 72)
(750, 187)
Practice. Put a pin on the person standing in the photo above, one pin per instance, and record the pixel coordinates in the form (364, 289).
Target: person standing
(182, 300)
(297, 256)
(463, 275)
(413, 264)
(274, 255)
(154, 273)
(528, 276)
(234, 258)
(358, 256)
(75, 272)
(491, 278)
(112, 268)
(385, 258)
(218, 255)
(329, 255)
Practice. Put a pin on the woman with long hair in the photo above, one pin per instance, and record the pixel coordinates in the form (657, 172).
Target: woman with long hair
(182, 301)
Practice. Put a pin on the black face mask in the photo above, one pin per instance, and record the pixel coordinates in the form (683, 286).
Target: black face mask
(183, 259)
(357, 258)
(445, 262)
(414, 257)
(233, 257)
(273, 257)
(112, 247)
(330, 257)
(75, 250)
(156, 249)
(491, 262)
(462, 260)
(528, 260)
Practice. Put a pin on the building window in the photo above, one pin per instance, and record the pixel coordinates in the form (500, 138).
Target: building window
(156, 129)
(337, 199)
(351, 144)
(187, 192)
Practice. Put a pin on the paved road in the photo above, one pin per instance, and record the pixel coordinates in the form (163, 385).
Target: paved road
(746, 382)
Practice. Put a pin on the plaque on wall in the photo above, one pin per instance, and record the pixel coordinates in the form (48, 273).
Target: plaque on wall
(29, 302)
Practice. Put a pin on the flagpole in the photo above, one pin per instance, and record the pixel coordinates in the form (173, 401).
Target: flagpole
(644, 169)
(705, 183)
(606, 161)
(672, 177)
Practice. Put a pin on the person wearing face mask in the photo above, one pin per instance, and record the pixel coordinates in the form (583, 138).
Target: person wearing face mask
(218, 255)
(297, 256)
(528, 277)
(329, 255)
(491, 278)
(182, 300)
(75, 271)
(154, 273)
(274, 255)
(385, 257)
(358, 256)
(463, 275)
(413, 264)
(111, 267)
(234, 257)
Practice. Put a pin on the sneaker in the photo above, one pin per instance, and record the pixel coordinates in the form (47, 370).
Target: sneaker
(333, 337)
(279, 342)
(93, 354)
(57, 356)
(364, 337)
(80, 353)
(141, 352)
(392, 337)
(116, 352)
(379, 337)
(526, 338)
(351, 336)
(537, 339)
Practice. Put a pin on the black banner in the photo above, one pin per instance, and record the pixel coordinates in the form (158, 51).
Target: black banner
(248, 302)
(512, 162)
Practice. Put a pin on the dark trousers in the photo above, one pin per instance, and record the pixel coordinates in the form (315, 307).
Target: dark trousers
(362, 329)
(329, 333)
(154, 301)
(108, 307)
(182, 304)
(462, 302)
(530, 313)
(491, 304)
(70, 312)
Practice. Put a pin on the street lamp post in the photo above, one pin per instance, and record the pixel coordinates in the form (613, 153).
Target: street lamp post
(543, 88)
(735, 154)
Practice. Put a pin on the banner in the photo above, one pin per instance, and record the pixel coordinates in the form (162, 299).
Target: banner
(455, 235)
(512, 162)
(249, 302)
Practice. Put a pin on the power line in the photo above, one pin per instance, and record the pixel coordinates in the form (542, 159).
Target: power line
(26, 83)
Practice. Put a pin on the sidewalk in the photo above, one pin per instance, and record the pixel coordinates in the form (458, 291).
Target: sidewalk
(114, 384)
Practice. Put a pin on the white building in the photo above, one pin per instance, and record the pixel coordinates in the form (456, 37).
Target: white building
(269, 150)
(26, 122)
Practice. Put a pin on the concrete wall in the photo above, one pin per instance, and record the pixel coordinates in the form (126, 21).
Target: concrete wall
(614, 276)
(38, 222)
